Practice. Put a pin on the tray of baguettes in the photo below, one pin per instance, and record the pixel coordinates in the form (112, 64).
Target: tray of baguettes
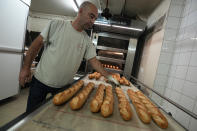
(92, 104)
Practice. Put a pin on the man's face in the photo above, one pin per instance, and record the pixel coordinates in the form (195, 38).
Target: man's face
(88, 16)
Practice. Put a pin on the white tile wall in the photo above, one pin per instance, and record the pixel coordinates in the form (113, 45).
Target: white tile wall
(195, 109)
(178, 84)
(192, 74)
(170, 82)
(163, 69)
(160, 80)
(173, 22)
(168, 46)
(176, 11)
(192, 18)
(178, 61)
(165, 58)
(175, 96)
(172, 70)
(183, 118)
(187, 102)
(170, 34)
(193, 125)
(178, 47)
(160, 89)
(195, 45)
(177, 2)
(175, 58)
(187, 45)
(181, 72)
(190, 31)
(187, 7)
(193, 6)
(184, 21)
(193, 60)
(184, 58)
(190, 89)
(167, 92)
(180, 35)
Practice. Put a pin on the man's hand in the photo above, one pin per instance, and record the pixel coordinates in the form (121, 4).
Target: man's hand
(113, 80)
(25, 73)
(24, 76)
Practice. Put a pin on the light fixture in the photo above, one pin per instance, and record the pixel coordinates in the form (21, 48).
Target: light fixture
(124, 27)
(74, 5)
(117, 26)
(104, 24)
(193, 38)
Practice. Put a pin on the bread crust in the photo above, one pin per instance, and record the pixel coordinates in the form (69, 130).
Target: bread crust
(65, 95)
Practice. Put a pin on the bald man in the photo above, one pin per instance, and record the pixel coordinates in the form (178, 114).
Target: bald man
(66, 44)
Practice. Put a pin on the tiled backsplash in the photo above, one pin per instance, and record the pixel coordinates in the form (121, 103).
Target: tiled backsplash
(178, 62)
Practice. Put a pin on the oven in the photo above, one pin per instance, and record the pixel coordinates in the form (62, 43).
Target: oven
(116, 43)
(115, 52)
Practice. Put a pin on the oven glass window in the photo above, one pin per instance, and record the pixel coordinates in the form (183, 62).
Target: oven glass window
(113, 42)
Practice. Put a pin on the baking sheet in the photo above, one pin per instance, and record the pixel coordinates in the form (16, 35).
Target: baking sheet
(57, 118)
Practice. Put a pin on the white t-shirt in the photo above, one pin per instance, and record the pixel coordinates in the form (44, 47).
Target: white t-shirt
(64, 50)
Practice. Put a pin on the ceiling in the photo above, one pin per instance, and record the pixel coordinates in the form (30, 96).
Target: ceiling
(132, 8)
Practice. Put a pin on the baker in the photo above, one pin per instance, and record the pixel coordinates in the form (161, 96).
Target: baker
(65, 45)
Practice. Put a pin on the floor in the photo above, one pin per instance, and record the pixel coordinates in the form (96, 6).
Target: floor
(12, 107)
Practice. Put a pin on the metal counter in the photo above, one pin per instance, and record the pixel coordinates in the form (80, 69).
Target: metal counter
(56, 118)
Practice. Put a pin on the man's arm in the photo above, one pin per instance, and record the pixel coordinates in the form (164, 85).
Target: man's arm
(30, 56)
(98, 67)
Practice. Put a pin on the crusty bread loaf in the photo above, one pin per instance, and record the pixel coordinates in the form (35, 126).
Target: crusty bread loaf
(78, 101)
(124, 106)
(94, 75)
(108, 103)
(139, 107)
(115, 76)
(125, 81)
(156, 115)
(122, 80)
(97, 101)
(65, 95)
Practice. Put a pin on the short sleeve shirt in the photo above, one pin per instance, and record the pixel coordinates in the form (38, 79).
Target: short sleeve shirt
(64, 50)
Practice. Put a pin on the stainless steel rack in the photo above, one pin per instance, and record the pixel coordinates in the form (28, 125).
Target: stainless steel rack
(111, 49)
(110, 59)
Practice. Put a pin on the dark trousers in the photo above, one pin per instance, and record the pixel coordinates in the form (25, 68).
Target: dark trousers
(37, 94)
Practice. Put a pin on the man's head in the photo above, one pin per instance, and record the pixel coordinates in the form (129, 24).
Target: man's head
(87, 14)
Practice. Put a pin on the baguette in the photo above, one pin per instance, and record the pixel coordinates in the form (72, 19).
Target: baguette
(78, 101)
(124, 106)
(97, 101)
(95, 75)
(139, 107)
(65, 95)
(91, 76)
(122, 80)
(115, 76)
(125, 81)
(108, 103)
(156, 115)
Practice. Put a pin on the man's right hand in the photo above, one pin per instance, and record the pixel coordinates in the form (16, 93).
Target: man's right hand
(25, 73)
(24, 76)
(111, 79)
